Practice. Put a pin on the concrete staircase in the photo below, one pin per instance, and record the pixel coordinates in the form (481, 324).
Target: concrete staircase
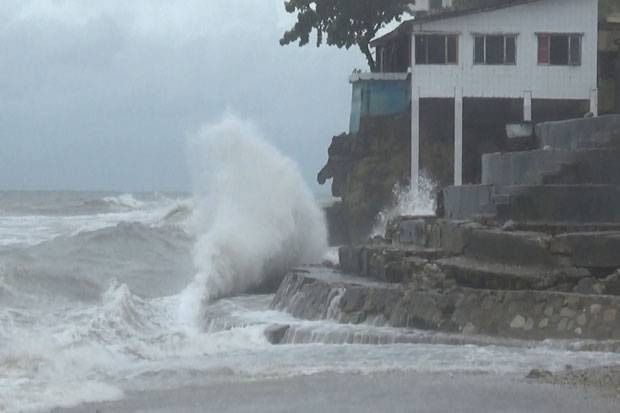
(577, 164)
(531, 253)
(464, 276)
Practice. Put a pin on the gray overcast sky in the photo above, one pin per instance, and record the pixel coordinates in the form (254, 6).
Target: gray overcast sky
(102, 94)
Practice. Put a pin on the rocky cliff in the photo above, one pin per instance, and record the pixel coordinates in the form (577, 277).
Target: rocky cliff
(364, 169)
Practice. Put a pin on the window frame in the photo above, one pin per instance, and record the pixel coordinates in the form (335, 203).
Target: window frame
(505, 37)
(571, 37)
(447, 37)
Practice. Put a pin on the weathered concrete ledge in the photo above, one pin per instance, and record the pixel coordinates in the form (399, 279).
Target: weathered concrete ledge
(531, 315)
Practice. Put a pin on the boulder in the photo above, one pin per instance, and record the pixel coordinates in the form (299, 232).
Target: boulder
(275, 333)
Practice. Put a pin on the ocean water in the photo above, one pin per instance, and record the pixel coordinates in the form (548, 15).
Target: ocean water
(103, 294)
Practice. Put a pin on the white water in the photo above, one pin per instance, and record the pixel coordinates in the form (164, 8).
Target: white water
(254, 216)
(408, 201)
(90, 299)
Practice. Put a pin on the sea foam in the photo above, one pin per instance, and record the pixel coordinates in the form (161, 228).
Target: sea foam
(254, 217)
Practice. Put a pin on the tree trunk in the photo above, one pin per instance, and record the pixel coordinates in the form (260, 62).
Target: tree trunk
(364, 47)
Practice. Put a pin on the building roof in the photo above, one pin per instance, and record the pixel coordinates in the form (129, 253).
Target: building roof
(450, 13)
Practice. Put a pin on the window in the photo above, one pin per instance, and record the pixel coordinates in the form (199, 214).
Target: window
(435, 4)
(559, 49)
(495, 49)
(436, 49)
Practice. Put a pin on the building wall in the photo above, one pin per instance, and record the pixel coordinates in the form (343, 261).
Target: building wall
(551, 82)
(378, 98)
(425, 5)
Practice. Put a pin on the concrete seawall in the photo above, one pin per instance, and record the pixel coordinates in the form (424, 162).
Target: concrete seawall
(530, 315)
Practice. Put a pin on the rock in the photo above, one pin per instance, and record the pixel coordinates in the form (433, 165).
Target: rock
(582, 320)
(611, 284)
(539, 374)
(365, 167)
(610, 315)
(509, 225)
(518, 322)
(599, 288)
(529, 324)
(567, 312)
(470, 329)
(585, 286)
(562, 325)
(549, 311)
(275, 333)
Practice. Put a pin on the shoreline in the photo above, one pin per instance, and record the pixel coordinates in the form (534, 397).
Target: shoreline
(605, 380)
(392, 391)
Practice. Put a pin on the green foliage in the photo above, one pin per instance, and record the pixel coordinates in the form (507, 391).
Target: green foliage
(342, 23)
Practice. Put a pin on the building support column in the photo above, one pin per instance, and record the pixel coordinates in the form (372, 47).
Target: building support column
(527, 106)
(617, 84)
(458, 136)
(415, 138)
(594, 102)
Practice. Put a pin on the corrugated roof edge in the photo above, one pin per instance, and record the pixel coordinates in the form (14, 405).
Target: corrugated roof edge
(446, 14)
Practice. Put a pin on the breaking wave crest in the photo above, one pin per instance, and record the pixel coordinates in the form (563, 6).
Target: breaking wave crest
(254, 216)
(124, 201)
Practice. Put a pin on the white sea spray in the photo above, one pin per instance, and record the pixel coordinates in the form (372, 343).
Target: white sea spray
(254, 217)
(417, 201)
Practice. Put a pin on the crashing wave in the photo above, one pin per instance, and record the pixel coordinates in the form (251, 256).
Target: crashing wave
(254, 217)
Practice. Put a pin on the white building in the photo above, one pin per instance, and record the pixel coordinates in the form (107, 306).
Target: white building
(427, 5)
(519, 49)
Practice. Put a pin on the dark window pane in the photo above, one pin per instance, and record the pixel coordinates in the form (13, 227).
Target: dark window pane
(575, 50)
(559, 50)
(495, 50)
(437, 49)
(543, 49)
(479, 50)
(453, 49)
(435, 4)
(511, 50)
(420, 49)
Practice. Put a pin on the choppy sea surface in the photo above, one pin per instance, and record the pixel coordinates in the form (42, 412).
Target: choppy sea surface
(90, 291)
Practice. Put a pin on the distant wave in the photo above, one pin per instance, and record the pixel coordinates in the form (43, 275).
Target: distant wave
(153, 260)
(124, 201)
(117, 203)
(17, 203)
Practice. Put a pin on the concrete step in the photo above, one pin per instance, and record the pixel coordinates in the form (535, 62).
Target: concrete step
(561, 203)
(602, 131)
(472, 273)
(510, 247)
(555, 166)
(386, 262)
(468, 201)
(555, 228)
(522, 168)
(530, 315)
(595, 250)
(544, 244)
(546, 203)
